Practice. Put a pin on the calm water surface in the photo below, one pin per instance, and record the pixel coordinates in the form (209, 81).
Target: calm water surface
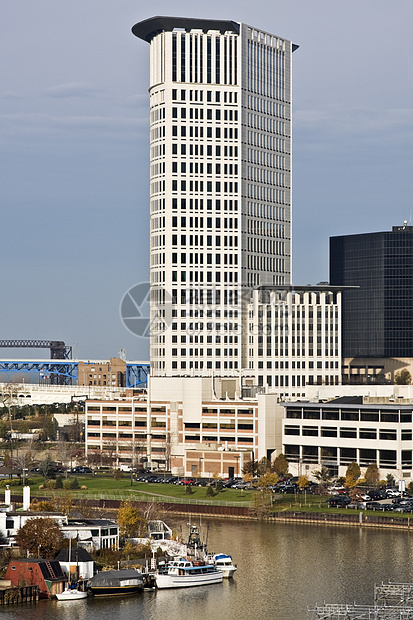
(282, 568)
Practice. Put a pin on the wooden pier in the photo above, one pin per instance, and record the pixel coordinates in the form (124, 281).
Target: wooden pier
(11, 595)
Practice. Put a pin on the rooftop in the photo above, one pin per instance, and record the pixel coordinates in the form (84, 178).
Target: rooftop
(149, 28)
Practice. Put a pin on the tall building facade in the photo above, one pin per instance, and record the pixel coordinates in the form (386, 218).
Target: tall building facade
(220, 186)
(294, 338)
(378, 316)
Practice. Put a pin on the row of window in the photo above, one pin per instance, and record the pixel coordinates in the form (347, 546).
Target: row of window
(227, 133)
(226, 365)
(198, 259)
(198, 168)
(345, 456)
(216, 439)
(228, 241)
(348, 433)
(209, 352)
(195, 204)
(195, 276)
(352, 415)
(211, 96)
(198, 222)
(199, 339)
(198, 114)
(296, 380)
(214, 425)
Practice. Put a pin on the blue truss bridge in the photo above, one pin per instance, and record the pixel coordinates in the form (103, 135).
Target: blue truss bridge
(61, 369)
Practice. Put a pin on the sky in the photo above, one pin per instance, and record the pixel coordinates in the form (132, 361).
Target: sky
(74, 150)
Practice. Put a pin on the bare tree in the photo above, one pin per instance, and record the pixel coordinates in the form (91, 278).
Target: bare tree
(23, 462)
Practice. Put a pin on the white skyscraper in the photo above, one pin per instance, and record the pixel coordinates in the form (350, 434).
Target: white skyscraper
(220, 186)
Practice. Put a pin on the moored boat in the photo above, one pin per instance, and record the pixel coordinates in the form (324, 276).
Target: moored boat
(116, 583)
(183, 573)
(71, 595)
(223, 563)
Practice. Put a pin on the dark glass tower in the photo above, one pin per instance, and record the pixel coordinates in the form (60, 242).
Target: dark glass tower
(377, 317)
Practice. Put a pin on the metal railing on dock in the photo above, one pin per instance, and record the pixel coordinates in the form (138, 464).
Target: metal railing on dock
(392, 601)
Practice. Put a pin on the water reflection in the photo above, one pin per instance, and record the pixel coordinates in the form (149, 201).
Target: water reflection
(282, 568)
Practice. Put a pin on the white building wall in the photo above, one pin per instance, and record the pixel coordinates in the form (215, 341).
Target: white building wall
(294, 339)
(364, 433)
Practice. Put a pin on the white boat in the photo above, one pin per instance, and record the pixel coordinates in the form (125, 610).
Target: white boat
(223, 563)
(184, 573)
(71, 595)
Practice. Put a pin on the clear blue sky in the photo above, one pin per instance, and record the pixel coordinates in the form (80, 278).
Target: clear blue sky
(74, 133)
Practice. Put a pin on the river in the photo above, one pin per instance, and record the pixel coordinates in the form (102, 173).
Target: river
(282, 569)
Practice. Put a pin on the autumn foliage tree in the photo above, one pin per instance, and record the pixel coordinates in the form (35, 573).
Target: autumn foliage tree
(131, 521)
(267, 480)
(303, 482)
(352, 474)
(40, 536)
(372, 475)
(280, 465)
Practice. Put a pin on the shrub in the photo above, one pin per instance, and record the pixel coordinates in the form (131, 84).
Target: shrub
(67, 484)
(210, 491)
(74, 483)
(59, 483)
(50, 484)
(188, 490)
(11, 483)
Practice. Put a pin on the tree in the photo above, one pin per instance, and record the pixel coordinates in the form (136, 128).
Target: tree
(219, 486)
(23, 461)
(403, 377)
(352, 474)
(372, 475)
(267, 480)
(250, 467)
(355, 494)
(47, 467)
(323, 475)
(264, 465)
(74, 483)
(48, 430)
(303, 482)
(42, 506)
(280, 465)
(390, 480)
(40, 536)
(131, 521)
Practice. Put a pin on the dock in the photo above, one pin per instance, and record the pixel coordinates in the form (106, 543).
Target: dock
(11, 595)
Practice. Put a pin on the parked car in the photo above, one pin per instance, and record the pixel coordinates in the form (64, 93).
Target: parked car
(339, 501)
(376, 506)
(376, 494)
(357, 505)
(187, 481)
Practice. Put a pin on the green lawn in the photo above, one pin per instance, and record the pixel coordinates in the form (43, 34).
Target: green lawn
(107, 487)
